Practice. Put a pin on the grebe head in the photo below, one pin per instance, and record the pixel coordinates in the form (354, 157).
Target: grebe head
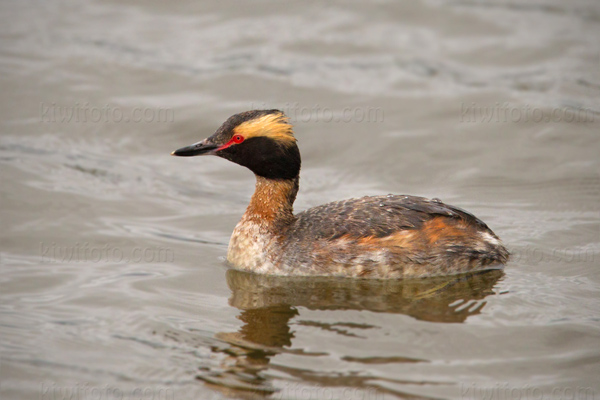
(261, 140)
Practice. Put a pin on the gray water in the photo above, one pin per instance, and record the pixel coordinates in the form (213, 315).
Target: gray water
(113, 279)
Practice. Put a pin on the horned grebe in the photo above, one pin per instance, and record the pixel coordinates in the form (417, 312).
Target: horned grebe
(379, 237)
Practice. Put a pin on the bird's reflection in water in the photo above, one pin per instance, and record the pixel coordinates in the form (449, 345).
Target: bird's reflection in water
(268, 303)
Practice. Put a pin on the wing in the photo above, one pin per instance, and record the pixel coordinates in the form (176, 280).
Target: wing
(375, 216)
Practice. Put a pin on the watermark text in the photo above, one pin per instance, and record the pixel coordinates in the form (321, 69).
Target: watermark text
(52, 391)
(297, 112)
(294, 390)
(510, 113)
(86, 113)
(504, 391)
(85, 252)
(536, 255)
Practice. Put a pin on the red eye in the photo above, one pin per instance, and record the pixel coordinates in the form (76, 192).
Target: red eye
(238, 139)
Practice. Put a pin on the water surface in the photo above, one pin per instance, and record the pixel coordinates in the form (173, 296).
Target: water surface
(113, 280)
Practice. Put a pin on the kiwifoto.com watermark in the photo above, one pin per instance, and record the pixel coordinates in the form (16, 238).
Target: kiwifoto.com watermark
(297, 391)
(536, 255)
(85, 391)
(504, 391)
(87, 113)
(297, 112)
(87, 253)
(511, 113)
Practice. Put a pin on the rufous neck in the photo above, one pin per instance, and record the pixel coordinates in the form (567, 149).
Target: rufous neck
(272, 201)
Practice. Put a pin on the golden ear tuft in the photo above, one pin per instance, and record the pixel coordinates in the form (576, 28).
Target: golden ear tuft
(275, 126)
